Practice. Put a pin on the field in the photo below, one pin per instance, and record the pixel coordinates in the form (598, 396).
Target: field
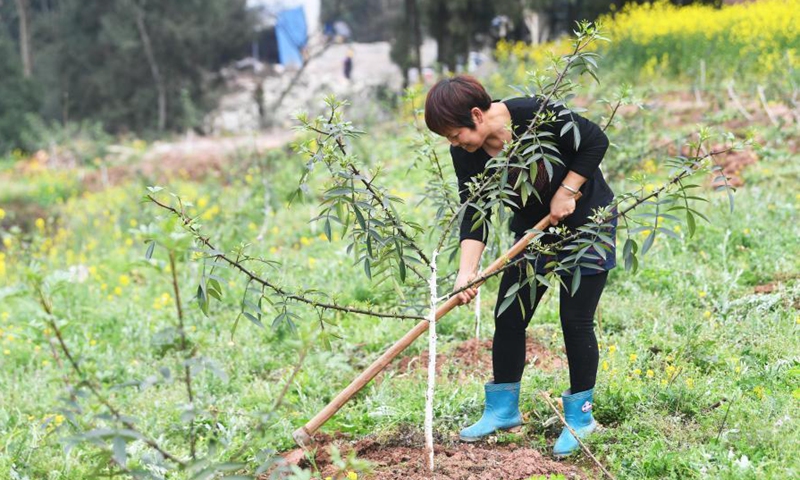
(112, 356)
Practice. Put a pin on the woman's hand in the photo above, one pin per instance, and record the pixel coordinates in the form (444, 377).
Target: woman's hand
(462, 279)
(562, 205)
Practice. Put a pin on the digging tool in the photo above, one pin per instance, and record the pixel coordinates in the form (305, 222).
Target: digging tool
(303, 434)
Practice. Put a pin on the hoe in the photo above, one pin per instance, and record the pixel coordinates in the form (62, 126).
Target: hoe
(303, 434)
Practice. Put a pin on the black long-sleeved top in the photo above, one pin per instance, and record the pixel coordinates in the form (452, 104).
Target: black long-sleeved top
(584, 161)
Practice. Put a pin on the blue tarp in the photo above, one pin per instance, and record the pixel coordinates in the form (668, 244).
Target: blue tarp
(292, 34)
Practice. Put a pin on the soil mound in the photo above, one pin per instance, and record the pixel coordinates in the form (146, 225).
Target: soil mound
(402, 459)
(475, 356)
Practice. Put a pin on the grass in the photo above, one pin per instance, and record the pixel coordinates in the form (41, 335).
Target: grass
(698, 377)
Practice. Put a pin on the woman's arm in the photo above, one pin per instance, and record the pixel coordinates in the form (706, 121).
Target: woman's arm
(563, 202)
(471, 251)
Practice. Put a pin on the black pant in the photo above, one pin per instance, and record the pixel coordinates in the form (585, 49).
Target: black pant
(577, 323)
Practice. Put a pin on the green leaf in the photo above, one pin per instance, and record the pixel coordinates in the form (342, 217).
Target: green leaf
(576, 281)
(648, 242)
(253, 319)
(149, 253)
(120, 456)
(690, 223)
(506, 303)
(327, 229)
(202, 300)
(360, 218)
(367, 269)
(629, 254)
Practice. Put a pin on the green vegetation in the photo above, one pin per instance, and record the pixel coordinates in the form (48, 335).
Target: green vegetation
(698, 374)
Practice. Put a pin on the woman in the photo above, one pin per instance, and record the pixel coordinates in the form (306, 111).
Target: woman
(477, 128)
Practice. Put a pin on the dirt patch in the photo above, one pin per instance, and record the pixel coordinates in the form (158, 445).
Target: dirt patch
(475, 356)
(766, 288)
(396, 460)
(192, 158)
(733, 163)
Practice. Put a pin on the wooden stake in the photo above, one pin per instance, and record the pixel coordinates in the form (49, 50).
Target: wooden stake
(586, 450)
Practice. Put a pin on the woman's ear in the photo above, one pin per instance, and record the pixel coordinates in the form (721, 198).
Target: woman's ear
(477, 115)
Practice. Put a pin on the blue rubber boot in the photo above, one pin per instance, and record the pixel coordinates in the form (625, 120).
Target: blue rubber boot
(500, 412)
(578, 414)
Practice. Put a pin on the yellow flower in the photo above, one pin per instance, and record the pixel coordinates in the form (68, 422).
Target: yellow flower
(7, 242)
(612, 348)
(637, 372)
(202, 202)
(6, 352)
(2, 214)
(93, 342)
(707, 314)
(352, 476)
(632, 357)
(759, 391)
(605, 365)
(133, 223)
(690, 382)
(252, 226)
(650, 373)
(37, 348)
(45, 363)
(305, 241)
(39, 223)
(311, 261)
(128, 242)
(701, 294)
(746, 231)
(118, 291)
(124, 280)
(5, 316)
(273, 250)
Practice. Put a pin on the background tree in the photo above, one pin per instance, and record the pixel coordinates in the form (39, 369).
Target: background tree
(133, 65)
(18, 95)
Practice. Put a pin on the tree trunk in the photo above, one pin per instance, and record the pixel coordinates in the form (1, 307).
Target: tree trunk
(24, 38)
(534, 21)
(417, 35)
(151, 59)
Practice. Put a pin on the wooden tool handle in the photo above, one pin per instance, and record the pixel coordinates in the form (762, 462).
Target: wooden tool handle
(303, 434)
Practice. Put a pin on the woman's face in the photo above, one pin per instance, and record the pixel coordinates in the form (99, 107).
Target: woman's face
(470, 139)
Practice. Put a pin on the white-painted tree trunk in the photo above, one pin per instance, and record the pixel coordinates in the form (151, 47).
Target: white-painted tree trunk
(478, 311)
(431, 364)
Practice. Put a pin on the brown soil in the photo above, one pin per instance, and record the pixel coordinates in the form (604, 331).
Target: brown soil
(404, 458)
(193, 158)
(732, 164)
(767, 288)
(475, 357)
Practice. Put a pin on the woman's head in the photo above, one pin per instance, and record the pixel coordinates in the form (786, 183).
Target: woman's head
(450, 103)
